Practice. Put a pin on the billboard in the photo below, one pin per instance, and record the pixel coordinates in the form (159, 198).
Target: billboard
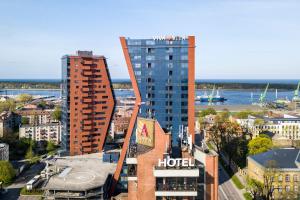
(145, 132)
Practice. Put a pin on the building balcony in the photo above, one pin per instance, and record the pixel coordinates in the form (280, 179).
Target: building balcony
(86, 144)
(87, 62)
(87, 100)
(86, 89)
(175, 189)
(87, 111)
(87, 122)
(87, 73)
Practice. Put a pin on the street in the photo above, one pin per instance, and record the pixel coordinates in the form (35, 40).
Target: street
(13, 191)
(227, 190)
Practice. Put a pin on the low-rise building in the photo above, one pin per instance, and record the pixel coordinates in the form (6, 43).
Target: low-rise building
(42, 132)
(282, 167)
(4, 151)
(8, 122)
(78, 177)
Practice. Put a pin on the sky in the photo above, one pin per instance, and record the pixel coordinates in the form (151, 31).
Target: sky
(235, 39)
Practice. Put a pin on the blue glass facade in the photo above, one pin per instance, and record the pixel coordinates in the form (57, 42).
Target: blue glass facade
(65, 137)
(161, 71)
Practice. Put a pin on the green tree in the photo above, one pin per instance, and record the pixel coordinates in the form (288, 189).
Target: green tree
(259, 145)
(24, 120)
(255, 188)
(57, 113)
(8, 105)
(243, 114)
(223, 116)
(29, 153)
(42, 105)
(24, 98)
(7, 172)
(208, 111)
(50, 146)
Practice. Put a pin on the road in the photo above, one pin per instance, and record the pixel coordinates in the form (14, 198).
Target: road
(13, 191)
(227, 190)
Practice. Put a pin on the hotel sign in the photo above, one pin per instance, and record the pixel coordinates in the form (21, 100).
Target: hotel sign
(145, 132)
(176, 162)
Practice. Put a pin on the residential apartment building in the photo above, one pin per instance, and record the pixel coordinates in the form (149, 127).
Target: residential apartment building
(88, 102)
(4, 151)
(37, 116)
(42, 132)
(8, 122)
(282, 167)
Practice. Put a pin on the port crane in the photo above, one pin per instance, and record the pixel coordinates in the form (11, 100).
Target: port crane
(296, 97)
(262, 97)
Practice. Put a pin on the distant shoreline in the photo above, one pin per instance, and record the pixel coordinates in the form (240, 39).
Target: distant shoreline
(52, 84)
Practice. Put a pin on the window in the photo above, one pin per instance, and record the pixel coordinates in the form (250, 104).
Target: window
(184, 50)
(295, 178)
(287, 178)
(184, 65)
(150, 57)
(134, 42)
(287, 188)
(136, 57)
(169, 50)
(184, 57)
(280, 188)
(296, 188)
(280, 178)
(170, 73)
(137, 65)
(149, 65)
(150, 42)
(138, 73)
(150, 50)
(170, 65)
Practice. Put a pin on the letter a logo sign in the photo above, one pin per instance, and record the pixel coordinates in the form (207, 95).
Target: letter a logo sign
(144, 131)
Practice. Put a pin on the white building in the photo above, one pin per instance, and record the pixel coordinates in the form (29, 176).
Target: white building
(4, 151)
(285, 127)
(42, 132)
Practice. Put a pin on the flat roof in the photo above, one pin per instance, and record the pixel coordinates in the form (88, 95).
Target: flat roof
(81, 172)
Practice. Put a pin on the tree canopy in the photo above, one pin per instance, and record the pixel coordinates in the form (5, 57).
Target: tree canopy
(259, 145)
(8, 105)
(7, 172)
(208, 111)
(50, 146)
(57, 113)
(24, 98)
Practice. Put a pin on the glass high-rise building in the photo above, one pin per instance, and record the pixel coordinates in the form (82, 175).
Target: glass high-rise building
(164, 72)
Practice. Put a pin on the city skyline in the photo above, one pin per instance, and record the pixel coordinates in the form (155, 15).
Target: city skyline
(235, 39)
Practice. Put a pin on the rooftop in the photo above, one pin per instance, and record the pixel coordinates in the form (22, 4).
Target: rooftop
(81, 172)
(284, 158)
